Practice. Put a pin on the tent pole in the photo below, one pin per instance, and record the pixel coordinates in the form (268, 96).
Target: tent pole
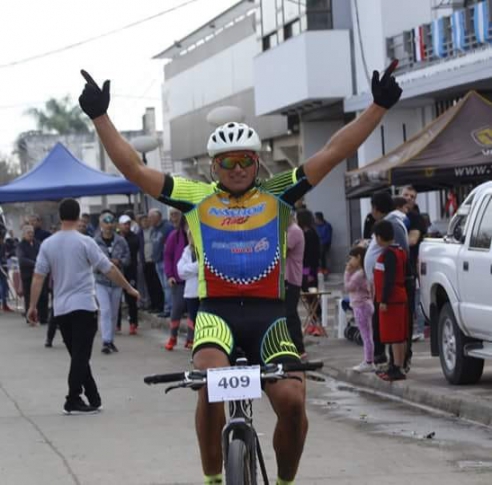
(102, 164)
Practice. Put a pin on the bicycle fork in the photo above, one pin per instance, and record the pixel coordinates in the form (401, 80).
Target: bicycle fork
(240, 426)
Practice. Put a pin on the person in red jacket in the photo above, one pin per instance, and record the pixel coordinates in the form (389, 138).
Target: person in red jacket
(391, 295)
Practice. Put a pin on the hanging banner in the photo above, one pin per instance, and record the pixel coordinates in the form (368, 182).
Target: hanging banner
(438, 38)
(481, 22)
(458, 30)
(419, 44)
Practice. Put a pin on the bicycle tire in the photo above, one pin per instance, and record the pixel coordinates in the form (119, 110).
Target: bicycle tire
(237, 467)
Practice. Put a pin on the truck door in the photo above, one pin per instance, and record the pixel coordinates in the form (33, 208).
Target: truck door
(475, 274)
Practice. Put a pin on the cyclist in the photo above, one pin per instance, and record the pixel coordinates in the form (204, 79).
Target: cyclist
(239, 225)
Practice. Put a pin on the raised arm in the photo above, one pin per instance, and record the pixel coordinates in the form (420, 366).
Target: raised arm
(95, 102)
(347, 140)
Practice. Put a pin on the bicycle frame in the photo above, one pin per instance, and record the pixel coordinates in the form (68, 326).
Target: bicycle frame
(240, 426)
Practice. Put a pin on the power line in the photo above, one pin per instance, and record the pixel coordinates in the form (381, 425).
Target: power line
(36, 103)
(361, 44)
(97, 37)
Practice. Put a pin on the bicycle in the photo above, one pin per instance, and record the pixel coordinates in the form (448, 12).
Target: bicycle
(240, 443)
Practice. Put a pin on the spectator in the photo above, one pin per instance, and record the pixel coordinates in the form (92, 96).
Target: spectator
(305, 220)
(293, 282)
(144, 302)
(11, 243)
(188, 271)
(131, 270)
(416, 233)
(82, 227)
(27, 252)
(173, 250)
(4, 281)
(361, 302)
(160, 231)
(310, 263)
(391, 295)
(153, 283)
(134, 227)
(39, 233)
(401, 210)
(64, 255)
(90, 229)
(107, 292)
(325, 232)
(382, 206)
(369, 222)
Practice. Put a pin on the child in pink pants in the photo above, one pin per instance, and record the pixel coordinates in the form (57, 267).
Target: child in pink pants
(361, 302)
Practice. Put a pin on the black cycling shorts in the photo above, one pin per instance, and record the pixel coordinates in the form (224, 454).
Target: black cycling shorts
(256, 326)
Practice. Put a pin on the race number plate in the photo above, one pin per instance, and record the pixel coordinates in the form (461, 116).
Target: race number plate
(233, 383)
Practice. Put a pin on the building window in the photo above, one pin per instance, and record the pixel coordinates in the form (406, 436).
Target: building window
(284, 19)
(482, 233)
(292, 10)
(268, 16)
(292, 29)
(319, 14)
(269, 41)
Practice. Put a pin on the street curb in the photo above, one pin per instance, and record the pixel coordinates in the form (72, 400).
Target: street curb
(470, 409)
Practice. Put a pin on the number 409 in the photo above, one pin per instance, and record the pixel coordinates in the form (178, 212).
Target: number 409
(234, 382)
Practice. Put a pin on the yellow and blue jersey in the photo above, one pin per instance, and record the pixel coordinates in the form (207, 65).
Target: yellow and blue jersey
(240, 241)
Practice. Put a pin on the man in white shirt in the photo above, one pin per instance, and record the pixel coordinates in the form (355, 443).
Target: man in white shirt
(71, 257)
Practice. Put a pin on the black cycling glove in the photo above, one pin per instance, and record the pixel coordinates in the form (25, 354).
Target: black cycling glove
(385, 91)
(94, 101)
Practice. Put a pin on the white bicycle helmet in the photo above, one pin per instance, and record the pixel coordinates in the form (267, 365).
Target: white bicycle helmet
(233, 136)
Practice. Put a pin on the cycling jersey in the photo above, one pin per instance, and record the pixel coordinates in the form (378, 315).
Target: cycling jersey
(240, 241)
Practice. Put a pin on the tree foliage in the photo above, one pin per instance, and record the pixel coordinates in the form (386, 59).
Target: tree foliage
(9, 170)
(60, 116)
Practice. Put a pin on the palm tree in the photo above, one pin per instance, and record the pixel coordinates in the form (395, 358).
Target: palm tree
(60, 116)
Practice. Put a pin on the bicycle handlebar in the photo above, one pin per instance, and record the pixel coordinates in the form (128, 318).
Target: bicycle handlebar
(163, 378)
(201, 374)
(302, 366)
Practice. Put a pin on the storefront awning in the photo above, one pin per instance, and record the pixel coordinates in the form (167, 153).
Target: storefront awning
(454, 149)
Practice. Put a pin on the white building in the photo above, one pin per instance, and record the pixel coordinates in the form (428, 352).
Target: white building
(301, 69)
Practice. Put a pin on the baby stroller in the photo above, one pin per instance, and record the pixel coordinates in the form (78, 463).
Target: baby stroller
(351, 331)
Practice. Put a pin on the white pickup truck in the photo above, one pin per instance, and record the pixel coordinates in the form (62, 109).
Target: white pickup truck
(456, 289)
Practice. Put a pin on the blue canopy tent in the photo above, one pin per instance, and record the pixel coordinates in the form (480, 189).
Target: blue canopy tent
(62, 175)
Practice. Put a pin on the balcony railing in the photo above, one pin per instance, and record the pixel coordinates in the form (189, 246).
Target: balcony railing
(416, 48)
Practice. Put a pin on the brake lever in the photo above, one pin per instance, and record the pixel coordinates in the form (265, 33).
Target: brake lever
(171, 388)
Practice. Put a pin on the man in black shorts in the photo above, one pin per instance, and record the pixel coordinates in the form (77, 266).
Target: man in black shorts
(239, 226)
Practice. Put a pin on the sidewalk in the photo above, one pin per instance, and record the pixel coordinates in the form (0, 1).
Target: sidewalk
(425, 384)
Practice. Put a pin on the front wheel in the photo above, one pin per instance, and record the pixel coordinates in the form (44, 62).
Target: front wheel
(238, 469)
(457, 368)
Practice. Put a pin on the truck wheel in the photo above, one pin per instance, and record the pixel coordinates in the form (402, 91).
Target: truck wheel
(456, 367)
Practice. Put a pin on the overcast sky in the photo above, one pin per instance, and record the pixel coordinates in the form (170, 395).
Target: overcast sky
(32, 27)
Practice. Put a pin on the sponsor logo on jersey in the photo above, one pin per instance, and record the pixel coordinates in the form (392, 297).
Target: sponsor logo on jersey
(237, 212)
(243, 247)
(229, 221)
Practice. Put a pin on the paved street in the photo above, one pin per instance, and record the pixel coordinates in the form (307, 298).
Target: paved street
(146, 438)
